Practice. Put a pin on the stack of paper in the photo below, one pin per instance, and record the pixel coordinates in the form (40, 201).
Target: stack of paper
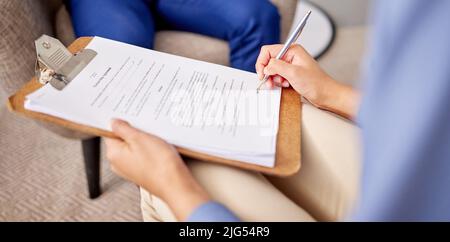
(192, 104)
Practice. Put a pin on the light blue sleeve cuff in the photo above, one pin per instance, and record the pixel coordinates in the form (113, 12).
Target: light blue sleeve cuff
(212, 212)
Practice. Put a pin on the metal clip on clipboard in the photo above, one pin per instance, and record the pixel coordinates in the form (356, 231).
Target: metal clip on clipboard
(56, 65)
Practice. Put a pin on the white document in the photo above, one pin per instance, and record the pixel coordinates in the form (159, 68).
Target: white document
(192, 104)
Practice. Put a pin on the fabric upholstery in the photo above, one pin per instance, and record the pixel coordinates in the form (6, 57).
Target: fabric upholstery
(22, 22)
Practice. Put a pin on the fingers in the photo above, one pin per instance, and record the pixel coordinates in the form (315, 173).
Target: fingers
(270, 84)
(115, 150)
(125, 131)
(267, 52)
(277, 80)
(281, 68)
(280, 81)
(113, 143)
(285, 84)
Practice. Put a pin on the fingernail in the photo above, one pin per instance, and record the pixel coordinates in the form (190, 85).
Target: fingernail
(116, 121)
(112, 123)
(278, 79)
(285, 84)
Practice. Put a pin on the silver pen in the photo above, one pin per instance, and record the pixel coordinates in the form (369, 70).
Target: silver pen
(291, 40)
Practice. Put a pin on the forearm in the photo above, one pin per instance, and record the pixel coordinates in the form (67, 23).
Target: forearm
(183, 194)
(184, 199)
(190, 202)
(340, 99)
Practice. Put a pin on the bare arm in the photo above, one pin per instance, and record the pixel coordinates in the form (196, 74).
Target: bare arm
(299, 70)
(341, 99)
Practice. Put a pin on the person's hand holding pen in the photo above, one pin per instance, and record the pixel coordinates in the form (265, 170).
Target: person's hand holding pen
(298, 69)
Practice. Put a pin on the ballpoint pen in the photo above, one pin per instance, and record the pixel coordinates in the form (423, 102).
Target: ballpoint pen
(291, 40)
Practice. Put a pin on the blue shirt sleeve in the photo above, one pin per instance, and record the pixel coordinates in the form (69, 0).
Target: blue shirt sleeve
(405, 114)
(212, 212)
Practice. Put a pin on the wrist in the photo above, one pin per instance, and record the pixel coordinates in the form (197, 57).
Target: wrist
(340, 99)
(184, 201)
(327, 95)
(183, 193)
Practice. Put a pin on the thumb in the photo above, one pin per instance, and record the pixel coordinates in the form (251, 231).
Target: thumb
(125, 131)
(114, 148)
(282, 68)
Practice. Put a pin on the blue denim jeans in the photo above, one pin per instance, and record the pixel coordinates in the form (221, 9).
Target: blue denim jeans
(245, 24)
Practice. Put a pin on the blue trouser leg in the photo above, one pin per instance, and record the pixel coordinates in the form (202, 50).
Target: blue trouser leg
(128, 21)
(245, 24)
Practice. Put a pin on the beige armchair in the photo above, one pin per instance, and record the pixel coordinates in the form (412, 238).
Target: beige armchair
(23, 21)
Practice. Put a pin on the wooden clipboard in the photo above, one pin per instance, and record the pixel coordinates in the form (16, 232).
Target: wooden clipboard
(288, 151)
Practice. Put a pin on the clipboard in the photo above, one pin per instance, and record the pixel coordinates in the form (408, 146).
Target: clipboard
(288, 148)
